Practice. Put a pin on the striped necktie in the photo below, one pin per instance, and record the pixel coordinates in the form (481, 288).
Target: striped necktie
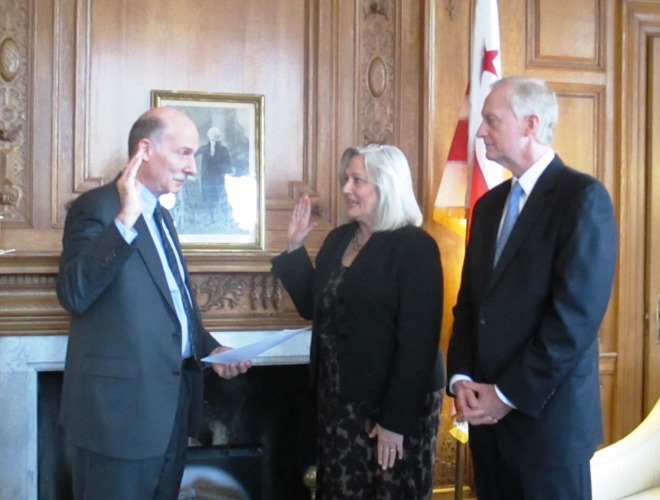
(174, 267)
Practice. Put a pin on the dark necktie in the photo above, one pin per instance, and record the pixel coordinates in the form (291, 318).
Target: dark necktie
(174, 267)
(512, 211)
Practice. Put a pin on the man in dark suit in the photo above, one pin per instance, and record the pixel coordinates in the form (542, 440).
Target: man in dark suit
(132, 390)
(523, 355)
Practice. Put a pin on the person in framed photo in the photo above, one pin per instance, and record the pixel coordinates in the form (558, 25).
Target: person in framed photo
(216, 163)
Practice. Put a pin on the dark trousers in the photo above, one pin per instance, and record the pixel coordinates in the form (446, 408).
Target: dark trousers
(100, 477)
(497, 478)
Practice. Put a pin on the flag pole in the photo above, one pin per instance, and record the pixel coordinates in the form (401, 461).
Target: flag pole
(459, 479)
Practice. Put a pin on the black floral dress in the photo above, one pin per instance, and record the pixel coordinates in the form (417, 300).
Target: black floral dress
(347, 465)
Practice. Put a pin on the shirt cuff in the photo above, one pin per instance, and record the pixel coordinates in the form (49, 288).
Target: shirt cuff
(503, 398)
(128, 234)
(457, 378)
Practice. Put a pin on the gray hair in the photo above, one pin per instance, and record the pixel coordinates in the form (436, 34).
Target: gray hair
(387, 168)
(532, 96)
(147, 126)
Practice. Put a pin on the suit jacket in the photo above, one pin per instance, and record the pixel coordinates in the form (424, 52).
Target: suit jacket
(123, 364)
(388, 317)
(530, 324)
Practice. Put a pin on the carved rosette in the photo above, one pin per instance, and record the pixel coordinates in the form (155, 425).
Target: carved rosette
(377, 49)
(13, 107)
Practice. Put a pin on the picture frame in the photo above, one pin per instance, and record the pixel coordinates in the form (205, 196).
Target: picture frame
(222, 207)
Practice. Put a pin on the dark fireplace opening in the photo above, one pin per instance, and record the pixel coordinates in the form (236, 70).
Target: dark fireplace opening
(256, 444)
(226, 472)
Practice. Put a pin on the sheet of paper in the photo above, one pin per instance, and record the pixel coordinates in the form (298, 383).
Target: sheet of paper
(251, 351)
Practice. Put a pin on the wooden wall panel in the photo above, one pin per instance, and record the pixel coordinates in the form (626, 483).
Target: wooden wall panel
(640, 30)
(652, 356)
(208, 46)
(561, 40)
(578, 139)
(607, 369)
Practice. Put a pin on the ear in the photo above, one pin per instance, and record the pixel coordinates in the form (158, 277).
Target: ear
(147, 148)
(531, 123)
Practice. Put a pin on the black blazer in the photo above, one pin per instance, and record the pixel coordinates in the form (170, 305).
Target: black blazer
(389, 308)
(530, 325)
(123, 364)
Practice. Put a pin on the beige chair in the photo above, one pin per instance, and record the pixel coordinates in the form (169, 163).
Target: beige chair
(630, 468)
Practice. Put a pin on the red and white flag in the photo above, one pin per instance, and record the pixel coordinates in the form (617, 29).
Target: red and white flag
(468, 174)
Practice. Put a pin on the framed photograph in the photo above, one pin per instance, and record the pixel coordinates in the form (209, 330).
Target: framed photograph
(222, 207)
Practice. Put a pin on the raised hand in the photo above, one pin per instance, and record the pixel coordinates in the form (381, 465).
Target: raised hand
(300, 225)
(129, 190)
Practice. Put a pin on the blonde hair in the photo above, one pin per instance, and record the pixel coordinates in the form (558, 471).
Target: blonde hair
(387, 168)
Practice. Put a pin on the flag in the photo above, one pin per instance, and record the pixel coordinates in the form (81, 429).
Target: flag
(468, 174)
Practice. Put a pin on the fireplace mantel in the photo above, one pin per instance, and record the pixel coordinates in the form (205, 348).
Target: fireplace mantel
(23, 357)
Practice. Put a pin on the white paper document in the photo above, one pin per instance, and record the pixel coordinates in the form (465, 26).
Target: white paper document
(251, 351)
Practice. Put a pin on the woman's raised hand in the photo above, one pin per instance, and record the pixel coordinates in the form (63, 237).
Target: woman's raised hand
(300, 225)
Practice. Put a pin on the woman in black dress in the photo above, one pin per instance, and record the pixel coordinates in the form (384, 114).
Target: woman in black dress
(375, 298)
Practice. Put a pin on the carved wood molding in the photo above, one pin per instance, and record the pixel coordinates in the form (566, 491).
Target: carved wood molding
(377, 53)
(243, 301)
(30, 306)
(239, 292)
(14, 28)
(253, 301)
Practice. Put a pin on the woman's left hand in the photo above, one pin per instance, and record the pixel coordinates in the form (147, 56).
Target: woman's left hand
(389, 446)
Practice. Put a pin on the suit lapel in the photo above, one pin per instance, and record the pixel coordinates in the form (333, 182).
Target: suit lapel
(493, 214)
(167, 217)
(147, 248)
(529, 216)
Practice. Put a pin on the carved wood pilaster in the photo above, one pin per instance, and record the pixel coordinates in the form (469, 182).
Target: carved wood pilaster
(13, 109)
(377, 53)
